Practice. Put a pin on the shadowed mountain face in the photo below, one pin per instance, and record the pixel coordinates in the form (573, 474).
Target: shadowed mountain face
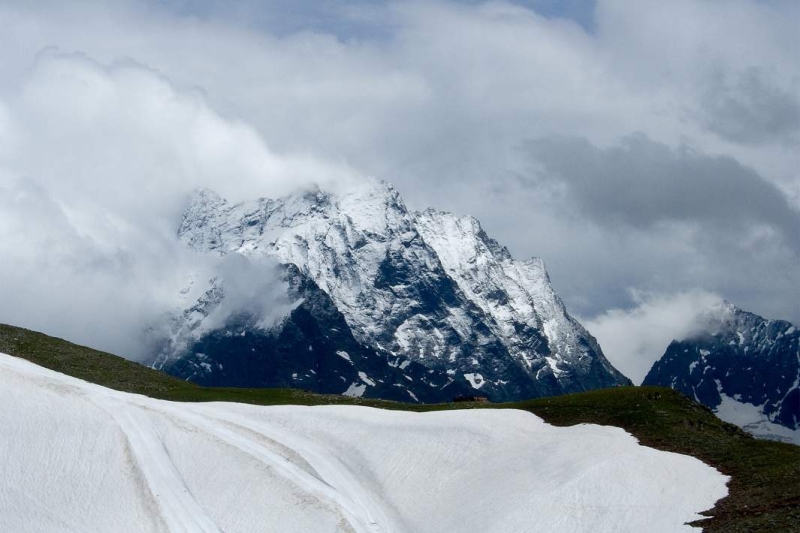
(740, 358)
(312, 348)
(386, 303)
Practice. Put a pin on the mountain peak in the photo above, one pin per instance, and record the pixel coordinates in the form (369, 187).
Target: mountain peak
(726, 319)
(742, 365)
(431, 288)
(204, 195)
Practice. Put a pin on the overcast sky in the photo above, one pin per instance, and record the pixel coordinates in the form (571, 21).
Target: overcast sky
(647, 150)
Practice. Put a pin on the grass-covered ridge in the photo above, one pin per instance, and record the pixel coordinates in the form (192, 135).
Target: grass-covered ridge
(764, 492)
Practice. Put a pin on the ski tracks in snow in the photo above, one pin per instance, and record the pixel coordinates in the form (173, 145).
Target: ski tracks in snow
(333, 481)
(179, 509)
(81, 457)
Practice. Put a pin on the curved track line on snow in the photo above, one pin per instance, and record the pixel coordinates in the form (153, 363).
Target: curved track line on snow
(346, 463)
(348, 489)
(179, 510)
(360, 516)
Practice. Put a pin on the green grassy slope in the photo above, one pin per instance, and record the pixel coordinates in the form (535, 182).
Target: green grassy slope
(764, 493)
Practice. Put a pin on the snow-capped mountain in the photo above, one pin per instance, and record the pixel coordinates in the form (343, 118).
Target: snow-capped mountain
(743, 366)
(424, 304)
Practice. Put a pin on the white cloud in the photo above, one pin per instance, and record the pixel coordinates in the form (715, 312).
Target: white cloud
(99, 286)
(103, 159)
(127, 135)
(250, 291)
(633, 339)
(137, 104)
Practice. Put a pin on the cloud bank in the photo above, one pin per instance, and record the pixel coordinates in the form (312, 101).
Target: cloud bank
(647, 147)
(102, 159)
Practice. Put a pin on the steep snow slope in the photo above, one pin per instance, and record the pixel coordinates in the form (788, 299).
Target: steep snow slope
(79, 457)
(743, 366)
(430, 288)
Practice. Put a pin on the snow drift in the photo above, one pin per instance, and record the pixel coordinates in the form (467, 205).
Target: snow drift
(80, 457)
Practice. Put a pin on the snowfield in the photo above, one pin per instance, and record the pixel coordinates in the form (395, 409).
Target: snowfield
(80, 457)
(752, 419)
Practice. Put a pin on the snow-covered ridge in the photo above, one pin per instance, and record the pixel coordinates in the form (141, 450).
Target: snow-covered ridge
(431, 287)
(509, 292)
(80, 457)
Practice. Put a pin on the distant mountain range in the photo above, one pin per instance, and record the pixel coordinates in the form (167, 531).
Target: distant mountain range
(382, 302)
(746, 368)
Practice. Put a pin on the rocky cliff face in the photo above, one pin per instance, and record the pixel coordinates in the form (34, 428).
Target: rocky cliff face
(741, 365)
(428, 297)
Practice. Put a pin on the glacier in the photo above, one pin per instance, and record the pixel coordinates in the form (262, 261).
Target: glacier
(81, 457)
